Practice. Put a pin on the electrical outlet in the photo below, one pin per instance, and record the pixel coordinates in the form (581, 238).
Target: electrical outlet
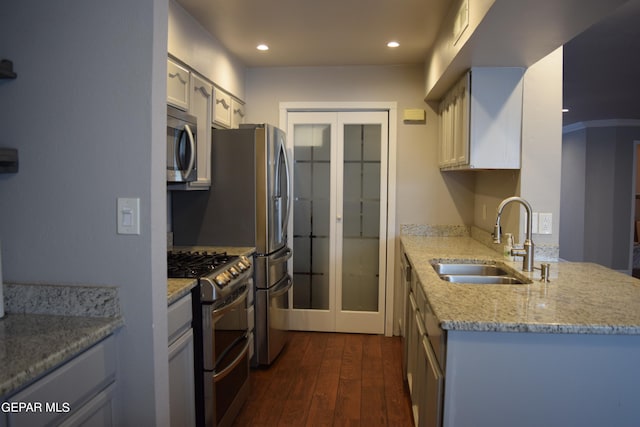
(545, 223)
(534, 223)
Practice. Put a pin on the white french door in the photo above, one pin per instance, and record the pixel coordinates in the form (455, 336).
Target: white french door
(339, 220)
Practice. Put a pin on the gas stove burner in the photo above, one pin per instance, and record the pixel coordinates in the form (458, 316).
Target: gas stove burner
(195, 264)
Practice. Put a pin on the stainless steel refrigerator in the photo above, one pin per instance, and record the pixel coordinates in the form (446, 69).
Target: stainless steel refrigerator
(248, 204)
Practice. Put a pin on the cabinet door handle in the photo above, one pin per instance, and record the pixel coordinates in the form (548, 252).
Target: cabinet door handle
(223, 102)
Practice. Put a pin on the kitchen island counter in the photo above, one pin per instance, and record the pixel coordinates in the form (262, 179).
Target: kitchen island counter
(555, 354)
(580, 298)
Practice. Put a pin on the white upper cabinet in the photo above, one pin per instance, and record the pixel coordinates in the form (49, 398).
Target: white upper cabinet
(201, 105)
(481, 120)
(237, 113)
(177, 85)
(222, 108)
(190, 91)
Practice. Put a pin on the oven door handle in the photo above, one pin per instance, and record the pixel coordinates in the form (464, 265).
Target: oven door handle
(220, 375)
(222, 310)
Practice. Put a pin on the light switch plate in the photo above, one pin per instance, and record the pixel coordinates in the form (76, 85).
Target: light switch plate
(128, 212)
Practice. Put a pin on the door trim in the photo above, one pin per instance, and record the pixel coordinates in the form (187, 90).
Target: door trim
(392, 232)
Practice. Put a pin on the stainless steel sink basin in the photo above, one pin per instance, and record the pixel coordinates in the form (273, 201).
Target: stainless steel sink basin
(469, 269)
(481, 280)
(477, 274)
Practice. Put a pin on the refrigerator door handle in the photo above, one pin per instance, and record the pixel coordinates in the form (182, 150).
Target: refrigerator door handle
(282, 220)
(288, 195)
(282, 258)
(281, 288)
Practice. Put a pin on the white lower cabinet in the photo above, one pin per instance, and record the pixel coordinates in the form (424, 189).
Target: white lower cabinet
(424, 351)
(81, 392)
(181, 373)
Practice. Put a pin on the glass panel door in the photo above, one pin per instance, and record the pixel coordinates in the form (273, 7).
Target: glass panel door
(339, 216)
(361, 221)
(312, 154)
(361, 217)
(313, 136)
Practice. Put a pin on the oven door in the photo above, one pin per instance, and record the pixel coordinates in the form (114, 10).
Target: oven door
(226, 362)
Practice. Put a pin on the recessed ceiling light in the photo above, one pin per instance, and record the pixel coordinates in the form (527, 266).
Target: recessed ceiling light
(565, 110)
(393, 44)
(262, 47)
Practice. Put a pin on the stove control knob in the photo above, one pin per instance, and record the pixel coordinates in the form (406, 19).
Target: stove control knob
(234, 272)
(221, 280)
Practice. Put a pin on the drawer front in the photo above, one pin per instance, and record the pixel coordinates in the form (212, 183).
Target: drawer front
(68, 387)
(179, 317)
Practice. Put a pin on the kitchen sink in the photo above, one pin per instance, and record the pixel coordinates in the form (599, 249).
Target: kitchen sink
(477, 274)
(469, 269)
(481, 280)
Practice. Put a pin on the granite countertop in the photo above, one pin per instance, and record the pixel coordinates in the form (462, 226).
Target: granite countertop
(580, 298)
(177, 288)
(46, 325)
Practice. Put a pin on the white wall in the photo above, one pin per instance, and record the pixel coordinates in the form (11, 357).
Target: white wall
(542, 140)
(87, 115)
(424, 195)
(193, 45)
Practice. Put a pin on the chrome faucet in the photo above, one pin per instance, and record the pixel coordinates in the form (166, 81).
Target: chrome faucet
(527, 252)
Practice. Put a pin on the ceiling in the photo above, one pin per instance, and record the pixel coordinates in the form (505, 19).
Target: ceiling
(322, 32)
(600, 70)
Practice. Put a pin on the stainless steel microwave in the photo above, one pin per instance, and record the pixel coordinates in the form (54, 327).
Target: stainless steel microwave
(182, 146)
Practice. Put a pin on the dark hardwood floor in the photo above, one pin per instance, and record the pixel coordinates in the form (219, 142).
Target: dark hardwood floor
(325, 379)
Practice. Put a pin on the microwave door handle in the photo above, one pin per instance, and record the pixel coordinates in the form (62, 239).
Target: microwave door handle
(192, 144)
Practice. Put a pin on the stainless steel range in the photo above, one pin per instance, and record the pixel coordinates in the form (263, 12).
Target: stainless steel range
(221, 307)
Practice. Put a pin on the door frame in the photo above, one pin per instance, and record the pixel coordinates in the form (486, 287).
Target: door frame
(391, 108)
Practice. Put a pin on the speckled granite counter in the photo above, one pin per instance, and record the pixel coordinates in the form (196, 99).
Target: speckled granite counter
(177, 288)
(581, 298)
(47, 325)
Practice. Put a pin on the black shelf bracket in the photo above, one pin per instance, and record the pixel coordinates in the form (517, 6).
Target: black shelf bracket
(8, 160)
(6, 70)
